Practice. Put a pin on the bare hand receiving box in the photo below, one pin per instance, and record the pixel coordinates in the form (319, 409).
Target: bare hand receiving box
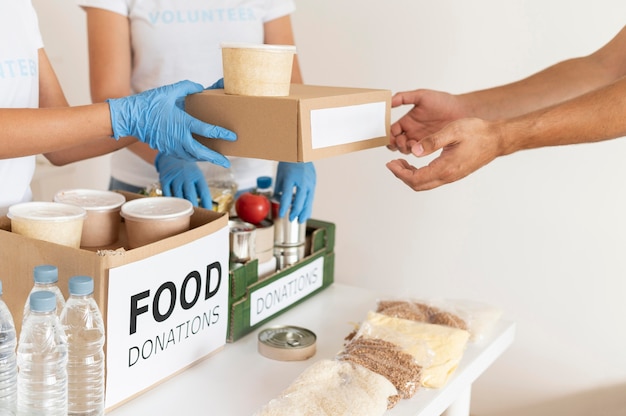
(311, 123)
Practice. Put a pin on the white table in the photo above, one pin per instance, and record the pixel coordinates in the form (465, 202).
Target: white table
(237, 380)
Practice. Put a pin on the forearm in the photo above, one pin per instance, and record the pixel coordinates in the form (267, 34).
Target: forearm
(95, 148)
(558, 83)
(62, 128)
(145, 152)
(555, 84)
(596, 116)
(280, 32)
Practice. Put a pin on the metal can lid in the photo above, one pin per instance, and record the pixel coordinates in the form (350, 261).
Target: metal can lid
(287, 343)
(240, 227)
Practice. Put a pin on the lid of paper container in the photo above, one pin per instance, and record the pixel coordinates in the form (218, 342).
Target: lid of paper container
(42, 301)
(46, 273)
(264, 46)
(81, 285)
(156, 208)
(46, 211)
(91, 199)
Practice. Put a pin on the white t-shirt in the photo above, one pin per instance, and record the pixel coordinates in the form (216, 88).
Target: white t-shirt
(180, 39)
(20, 40)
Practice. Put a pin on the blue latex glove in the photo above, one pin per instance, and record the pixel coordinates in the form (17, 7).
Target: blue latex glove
(158, 117)
(183, 179)
(218, 85)
(302, 177)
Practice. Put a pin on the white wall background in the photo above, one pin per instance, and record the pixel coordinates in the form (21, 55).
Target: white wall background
(540, 233)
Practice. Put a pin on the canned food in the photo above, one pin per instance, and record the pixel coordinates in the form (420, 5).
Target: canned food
(287, 343)
(287, 233)
(242, 241)
(288, 256)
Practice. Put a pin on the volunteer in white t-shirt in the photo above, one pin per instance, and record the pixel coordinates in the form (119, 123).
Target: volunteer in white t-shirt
(35, 117)
(139, 44)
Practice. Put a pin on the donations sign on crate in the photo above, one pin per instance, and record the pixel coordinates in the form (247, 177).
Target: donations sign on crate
(168, 311)
(289, 289)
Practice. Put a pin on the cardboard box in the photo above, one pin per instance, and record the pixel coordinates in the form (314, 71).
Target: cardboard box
(165, 305)
(254, 301)
(312, 123)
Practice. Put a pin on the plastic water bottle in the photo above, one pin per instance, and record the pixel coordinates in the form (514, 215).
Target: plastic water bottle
(46, 277)
(83, 324)
(8, 362)
(264, 186)
(42, 360)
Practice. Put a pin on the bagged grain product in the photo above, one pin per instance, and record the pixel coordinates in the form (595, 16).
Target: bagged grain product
(388, 360)
(331, 388)
(476, 317)
(437, 348)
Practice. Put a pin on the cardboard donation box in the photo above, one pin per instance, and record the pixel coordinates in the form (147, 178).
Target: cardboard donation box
(312, 123)
(165, 304)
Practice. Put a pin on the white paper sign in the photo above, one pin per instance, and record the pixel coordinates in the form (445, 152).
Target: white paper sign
(349, 124)
(286, 291)
(164, 313)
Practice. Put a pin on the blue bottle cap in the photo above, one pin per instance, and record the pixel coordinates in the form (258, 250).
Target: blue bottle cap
(43, 301)
(46, 274)
(263, 182)
(81, 285)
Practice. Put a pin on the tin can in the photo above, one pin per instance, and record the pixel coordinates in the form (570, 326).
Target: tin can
(287, 343)
(288, 256)
(287, 233)
(242, 241)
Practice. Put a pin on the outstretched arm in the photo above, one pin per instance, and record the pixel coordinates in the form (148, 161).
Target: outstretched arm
(470, 143)
(154, 117)
(432, 110)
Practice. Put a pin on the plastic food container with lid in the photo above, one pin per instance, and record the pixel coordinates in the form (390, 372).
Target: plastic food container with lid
(49, 221)
(102, 224)
(151, 219)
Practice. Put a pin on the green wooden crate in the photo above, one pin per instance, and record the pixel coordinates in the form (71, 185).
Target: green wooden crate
(253, 302)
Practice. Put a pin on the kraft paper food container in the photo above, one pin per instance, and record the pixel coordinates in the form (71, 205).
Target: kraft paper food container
(151, 219)
(102, 224)
(49, 221)
(257, 69)
(264, 236)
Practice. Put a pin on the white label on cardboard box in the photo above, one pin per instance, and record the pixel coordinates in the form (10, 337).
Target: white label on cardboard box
(349, 124)
(164, 313)
(286, 291)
